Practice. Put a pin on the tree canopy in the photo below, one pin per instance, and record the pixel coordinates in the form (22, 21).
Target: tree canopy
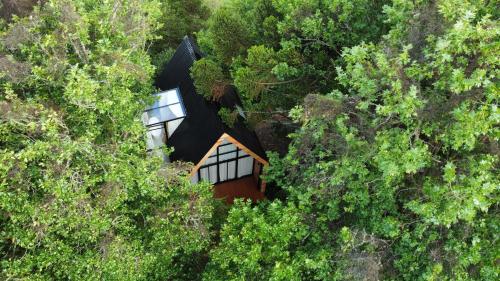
(392, 172)
(79, 197)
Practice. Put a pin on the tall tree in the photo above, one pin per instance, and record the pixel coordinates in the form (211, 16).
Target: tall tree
(276, 52)
(179, 18)
(79, 197)
(394, 174)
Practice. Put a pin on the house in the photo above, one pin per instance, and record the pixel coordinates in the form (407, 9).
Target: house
(231, 158)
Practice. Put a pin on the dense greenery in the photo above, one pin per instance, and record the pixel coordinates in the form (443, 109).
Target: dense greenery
(178, 19)
(392, 174)
(79, 197)
(278, 51)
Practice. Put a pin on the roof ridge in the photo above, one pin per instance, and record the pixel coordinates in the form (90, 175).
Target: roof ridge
(193, 49)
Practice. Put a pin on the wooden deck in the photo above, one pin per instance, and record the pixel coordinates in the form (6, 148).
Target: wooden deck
(242, 188)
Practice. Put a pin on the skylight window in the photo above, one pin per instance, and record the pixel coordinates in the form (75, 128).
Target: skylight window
(163, 117)
(167, 107)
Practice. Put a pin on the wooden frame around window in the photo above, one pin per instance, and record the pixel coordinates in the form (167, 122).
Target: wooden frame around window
(232, 140)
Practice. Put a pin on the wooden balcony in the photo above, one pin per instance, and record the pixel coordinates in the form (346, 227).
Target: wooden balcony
(241, 188)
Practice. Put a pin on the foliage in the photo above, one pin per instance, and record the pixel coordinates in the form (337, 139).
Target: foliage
(229, 37)
(392, 175)
(179, 18)
(256, 244)
(407, 153)
(214, 4)
(208, 79)
(79, 197)
(161, 58)
(228, 116)
(278, 51)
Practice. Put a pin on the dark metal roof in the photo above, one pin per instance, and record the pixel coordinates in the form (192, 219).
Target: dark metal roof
(202, 126)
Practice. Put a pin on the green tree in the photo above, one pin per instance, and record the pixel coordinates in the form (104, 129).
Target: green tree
(260, 243)
(79, 196)
(179, 18)
(394, 173)
(276, 52)
(208, 79)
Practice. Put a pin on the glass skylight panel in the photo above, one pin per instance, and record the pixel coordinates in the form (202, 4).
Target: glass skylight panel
(168, 107)
(176, 110)
(163, 114)
(155, 137)
(167, 113)
(172, 126)
(165, 98)
(155, 116)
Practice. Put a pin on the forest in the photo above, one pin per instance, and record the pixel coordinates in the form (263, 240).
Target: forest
(386, 112)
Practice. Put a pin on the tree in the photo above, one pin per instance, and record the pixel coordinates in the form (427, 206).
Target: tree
(276, 52)
(389, 155)
(391, 175)
(79, 196)
(179, 18)
(208, 79)
(260, 243)
(394, 173)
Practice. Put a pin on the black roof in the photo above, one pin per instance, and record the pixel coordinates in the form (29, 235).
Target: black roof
(202, 126)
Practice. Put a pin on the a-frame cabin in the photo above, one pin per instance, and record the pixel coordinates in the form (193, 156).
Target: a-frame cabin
(231, 158)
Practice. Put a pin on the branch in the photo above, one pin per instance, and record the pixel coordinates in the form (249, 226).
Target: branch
(277, 83)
